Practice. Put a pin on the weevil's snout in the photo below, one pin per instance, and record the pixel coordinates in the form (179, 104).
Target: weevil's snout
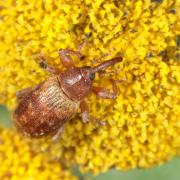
(106, 64)
(89, 72)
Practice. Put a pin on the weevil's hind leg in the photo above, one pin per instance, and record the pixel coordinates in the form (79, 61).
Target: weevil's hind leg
(85, 111)
(104, 93)
(65, 56)
(44, 65)
(22, 93)
(58, 133)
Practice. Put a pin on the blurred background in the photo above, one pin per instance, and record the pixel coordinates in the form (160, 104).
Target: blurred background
(168, 171)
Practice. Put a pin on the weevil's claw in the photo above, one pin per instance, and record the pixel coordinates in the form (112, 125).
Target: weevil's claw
(60, 50)
(82, 57)
(43, 64)
(85, 117)
(101, 123)
(59, 132)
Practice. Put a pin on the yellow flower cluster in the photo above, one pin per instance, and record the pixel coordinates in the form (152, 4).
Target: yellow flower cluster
(141, 128)
(19, 161)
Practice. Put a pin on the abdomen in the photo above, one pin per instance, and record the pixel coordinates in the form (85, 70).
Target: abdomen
(45, 109)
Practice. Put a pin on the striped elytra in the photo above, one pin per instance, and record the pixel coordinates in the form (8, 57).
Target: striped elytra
(45, 108)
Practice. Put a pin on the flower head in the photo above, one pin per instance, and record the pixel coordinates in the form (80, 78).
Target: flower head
(141, 128)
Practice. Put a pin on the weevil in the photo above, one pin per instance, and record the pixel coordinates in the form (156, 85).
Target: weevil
(44, 108)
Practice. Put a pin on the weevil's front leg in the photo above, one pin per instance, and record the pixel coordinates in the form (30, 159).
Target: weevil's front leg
(22, 93)
(85, 111)
(104, 93)
(44, 65)
(65, 56)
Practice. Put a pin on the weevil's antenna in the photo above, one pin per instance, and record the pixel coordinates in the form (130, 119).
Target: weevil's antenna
(106, 64)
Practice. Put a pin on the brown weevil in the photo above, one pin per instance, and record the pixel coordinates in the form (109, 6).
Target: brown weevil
(45, 108)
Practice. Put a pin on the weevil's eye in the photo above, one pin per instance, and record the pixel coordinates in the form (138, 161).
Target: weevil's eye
(91, 76)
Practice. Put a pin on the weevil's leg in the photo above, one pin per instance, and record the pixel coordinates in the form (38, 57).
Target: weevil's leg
(85, 111)
(104, 93)
(56, 136)
(44, 65)
(65, 56)
(22, 93)
(81, 46)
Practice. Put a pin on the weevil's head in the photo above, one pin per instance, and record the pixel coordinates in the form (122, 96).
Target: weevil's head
(77, 82)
